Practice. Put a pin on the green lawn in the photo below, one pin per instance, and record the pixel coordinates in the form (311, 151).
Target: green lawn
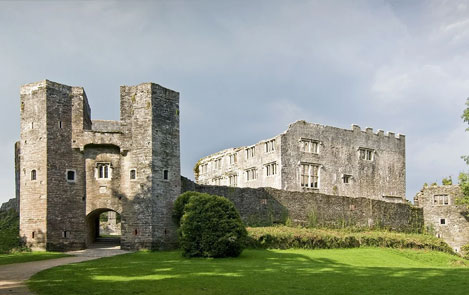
(335, 271)
(28, 256)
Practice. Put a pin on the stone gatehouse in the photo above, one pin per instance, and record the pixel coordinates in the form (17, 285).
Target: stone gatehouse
(70, 169)
(315, 158)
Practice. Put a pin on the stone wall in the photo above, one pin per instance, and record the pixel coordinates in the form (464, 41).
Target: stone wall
(266, 206)
(443, 217)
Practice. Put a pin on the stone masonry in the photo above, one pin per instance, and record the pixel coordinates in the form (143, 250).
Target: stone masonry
(315, 158)
(70, 169)
(267, 206)
(443, 216)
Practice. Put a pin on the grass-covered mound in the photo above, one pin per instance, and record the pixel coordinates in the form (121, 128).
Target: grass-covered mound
(283, 237)
(9, 231)
(295, 271)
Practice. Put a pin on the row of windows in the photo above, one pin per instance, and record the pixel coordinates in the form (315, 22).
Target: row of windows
(306, 145)
(309, 175)
(103, 171)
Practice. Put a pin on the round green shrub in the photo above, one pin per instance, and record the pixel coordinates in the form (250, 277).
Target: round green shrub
(211, 227)
(180, 203)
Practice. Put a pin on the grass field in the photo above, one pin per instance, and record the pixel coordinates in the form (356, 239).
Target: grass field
(334, 271)
(28, 256)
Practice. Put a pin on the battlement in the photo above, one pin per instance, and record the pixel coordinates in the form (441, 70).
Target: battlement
(380, 132)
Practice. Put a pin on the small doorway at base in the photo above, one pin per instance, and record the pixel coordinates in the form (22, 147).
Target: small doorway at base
(104, 228)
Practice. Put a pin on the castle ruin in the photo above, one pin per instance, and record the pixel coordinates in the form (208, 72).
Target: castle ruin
(315, 158)
(443, 216)
(70, 169)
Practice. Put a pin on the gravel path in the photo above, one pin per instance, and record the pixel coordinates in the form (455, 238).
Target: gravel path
(13, 276)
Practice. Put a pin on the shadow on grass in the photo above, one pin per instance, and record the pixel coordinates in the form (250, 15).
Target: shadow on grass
(255, 272)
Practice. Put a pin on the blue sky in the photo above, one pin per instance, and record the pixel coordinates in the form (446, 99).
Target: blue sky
(246, 69)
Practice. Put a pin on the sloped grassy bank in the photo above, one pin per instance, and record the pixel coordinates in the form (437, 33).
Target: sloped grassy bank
(283, 237)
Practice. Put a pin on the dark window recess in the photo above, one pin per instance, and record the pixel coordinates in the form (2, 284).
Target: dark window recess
(60, 124)
(71, 175)
(347, 178)
(33, 235)
(65, 234)
(133, 174)
(165, 174)
(442, 221)
(135, 232)
(33, 175)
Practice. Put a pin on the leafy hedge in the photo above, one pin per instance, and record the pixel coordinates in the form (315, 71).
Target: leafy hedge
(283, 237)
(9, 231)
(210, 226)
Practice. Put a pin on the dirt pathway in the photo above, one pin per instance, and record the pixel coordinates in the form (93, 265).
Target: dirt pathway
(13, 276)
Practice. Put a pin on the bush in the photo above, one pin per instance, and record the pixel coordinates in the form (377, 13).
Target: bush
(283, 237)
(180, 203)
(211, 227)
(465, 251)
(9, 231)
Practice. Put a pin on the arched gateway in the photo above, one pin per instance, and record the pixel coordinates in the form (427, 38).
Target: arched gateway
(84, 168)
(103, 226)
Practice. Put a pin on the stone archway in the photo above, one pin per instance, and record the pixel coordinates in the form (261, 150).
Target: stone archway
(99, 229)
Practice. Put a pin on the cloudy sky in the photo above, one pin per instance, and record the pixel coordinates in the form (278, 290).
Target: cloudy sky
(246, 69)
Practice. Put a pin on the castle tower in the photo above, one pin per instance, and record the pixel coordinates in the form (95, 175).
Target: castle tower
(150, 124)
(51, 181)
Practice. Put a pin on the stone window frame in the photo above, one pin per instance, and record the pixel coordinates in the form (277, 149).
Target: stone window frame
(445, 220)
(135, 175)
(251, 174)
(439, 200)
(269, 146)
(74, 180)
(271, 169)
(233, 158)
(347, 178)
(33, 175)
(203, 168)
(217, 163)
(166, 174)
(109, 171)
(309, 145)
(310, 184)
(65, 234)
(250, 152)
(366, 154)
(233, 180)
(217, 180)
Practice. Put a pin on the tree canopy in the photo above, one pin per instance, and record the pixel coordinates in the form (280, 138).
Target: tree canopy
(464, 177)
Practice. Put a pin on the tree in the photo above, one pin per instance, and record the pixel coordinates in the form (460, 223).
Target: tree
(211, 227)
(447, 181)
(464, 177)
